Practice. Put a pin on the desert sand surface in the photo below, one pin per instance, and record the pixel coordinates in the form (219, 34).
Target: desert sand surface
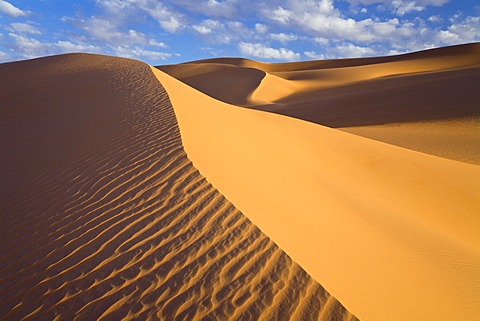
(398, 228)
(234, 189)
(104, 216)
(434, 89)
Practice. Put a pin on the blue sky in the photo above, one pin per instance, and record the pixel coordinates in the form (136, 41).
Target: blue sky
(164, 32)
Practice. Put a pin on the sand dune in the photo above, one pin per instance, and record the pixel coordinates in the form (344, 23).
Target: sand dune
(398, 228)
(437, 86)
(130, 192)
(105, 217)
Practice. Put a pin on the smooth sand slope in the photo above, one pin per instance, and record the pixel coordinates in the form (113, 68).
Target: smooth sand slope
(386, 98)
(394, 234)
(104, 216)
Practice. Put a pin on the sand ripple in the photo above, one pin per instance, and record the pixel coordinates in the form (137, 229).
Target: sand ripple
(104, 216)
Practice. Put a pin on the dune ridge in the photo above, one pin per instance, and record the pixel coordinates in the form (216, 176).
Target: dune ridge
(437, 86)
(398, 228)
(105, 217)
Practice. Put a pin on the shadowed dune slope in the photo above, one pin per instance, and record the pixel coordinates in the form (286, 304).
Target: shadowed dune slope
(438, 86)
(400, 229)
(104, 216)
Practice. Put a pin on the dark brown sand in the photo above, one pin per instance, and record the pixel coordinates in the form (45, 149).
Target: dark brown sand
(104, 216)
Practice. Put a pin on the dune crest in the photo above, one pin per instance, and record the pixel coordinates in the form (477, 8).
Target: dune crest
(105, 217)
(399, 231)
(437, 86)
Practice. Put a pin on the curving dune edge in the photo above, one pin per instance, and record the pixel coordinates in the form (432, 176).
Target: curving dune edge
(229, 189)
(104, 217)
(398, 228)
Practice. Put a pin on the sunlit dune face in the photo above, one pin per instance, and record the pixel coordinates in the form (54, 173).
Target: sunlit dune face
(230, 189)
(104, 216)
(395, 225)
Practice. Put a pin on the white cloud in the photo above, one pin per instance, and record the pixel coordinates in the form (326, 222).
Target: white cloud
(467, 30)
(109, 32)
(283, 38)
(11, 10)
(67, 46)
(323, 21)
(29, 47)
(216, 32)
(139, 53)
(258, 50)
(400, 7)
(321, 40)
(155, 43)
(434, 3)
(350, 50)
(435, 19)
(24, 28)
(447, 37)
(168, 19)
(280, 15)
(313, 55)
(106, 30)
(226, 8)
(4, 57)
(208, 26)
(202, 29)
(230, 9)
(261, 28)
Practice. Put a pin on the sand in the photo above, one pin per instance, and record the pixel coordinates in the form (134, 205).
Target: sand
(105, 217)
(399, 228)
(439, 87)
(234, 189)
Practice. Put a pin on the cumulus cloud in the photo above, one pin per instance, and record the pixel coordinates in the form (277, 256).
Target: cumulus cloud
(24, 28)
(280, 15)
(349, 50)
(208, 26)
(4, 57)
(29, 47)
(140, 53)
(67, 46)
(11, 10)
(283, 38)
(322, 20)
(216, 32)
(401, 7)
(467, 30)
(261, 28)
(111, 33)
(261, 51)
(26, 47)
(435, 19)
(169, 19)
(313, 55)
(214, 8)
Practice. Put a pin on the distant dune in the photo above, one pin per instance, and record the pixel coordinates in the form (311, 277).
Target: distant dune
(105, 217)
(371, 97)
(230, 189)
(398, 228)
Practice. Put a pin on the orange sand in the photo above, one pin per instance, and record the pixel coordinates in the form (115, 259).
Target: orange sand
(438, 87)
(400, 229)
(104, 216)
(130, 192)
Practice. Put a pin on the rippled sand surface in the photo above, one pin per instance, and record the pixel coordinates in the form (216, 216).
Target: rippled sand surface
(105, 217)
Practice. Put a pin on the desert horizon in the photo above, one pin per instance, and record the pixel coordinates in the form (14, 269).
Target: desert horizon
(234, 189)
